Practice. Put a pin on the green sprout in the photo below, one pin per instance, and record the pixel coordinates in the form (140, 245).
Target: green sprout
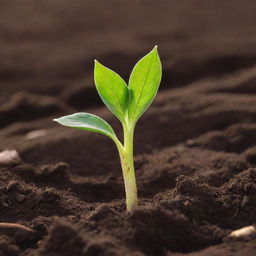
(127, 103)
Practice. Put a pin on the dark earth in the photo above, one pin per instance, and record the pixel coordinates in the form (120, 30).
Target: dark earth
(195, 148)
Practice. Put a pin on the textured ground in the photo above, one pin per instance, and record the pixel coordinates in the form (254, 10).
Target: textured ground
(195, 148)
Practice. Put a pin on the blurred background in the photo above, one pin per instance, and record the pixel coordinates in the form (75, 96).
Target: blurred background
(47, 47)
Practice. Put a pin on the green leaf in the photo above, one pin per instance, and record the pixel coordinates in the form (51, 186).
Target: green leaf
(112, 89)
(89, 122)
(144, 83)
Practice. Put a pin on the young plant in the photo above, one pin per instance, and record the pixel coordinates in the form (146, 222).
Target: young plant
(127, 103)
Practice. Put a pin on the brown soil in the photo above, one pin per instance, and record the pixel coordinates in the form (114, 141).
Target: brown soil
(195, 152)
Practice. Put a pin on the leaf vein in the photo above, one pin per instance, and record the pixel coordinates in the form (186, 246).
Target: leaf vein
(144, 82)
(115, 96)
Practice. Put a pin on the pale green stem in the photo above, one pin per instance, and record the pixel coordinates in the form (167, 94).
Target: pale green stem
(126, 157)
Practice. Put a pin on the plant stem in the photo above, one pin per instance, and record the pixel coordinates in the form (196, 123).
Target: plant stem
(127, 163)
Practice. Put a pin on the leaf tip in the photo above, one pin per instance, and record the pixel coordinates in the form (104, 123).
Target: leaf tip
(97, 64)
(155, 49)
(57, 120)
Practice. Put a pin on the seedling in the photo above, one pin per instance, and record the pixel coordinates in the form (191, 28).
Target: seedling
(127, 103)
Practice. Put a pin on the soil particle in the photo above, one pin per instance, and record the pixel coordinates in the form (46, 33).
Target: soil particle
(157, 229)
(8, 246)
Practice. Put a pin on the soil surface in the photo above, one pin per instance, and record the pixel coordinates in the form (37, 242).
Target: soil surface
(195, 148)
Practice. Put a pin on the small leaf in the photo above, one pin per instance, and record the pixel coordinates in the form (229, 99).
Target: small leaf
(144, 83)
(89, 122)
(112, 89)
